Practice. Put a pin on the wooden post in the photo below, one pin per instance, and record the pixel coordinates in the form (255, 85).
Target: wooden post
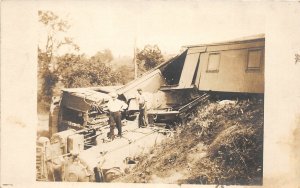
(134, 60)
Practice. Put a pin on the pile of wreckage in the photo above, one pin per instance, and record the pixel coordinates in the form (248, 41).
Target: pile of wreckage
(78, 149)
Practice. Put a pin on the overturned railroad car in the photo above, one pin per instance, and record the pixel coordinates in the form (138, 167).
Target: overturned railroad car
(175, 86)
(234, 66)
(184, 81)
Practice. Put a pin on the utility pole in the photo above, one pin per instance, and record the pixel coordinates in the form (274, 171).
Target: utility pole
(134, 60)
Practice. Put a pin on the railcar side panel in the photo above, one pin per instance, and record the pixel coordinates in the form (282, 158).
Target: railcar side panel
(233, 70)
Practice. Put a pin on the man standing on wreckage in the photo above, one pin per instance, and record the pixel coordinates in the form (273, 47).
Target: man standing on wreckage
(115, 107)
(142, 108)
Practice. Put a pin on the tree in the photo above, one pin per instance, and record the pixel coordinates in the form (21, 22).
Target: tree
(80, 71)
(104, 56)
(55, 28)
(126, 72)
(149, 57)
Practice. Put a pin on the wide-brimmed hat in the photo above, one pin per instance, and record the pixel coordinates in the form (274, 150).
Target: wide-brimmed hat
(113, 95)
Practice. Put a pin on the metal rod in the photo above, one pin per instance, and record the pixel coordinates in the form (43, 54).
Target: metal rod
(92, 136)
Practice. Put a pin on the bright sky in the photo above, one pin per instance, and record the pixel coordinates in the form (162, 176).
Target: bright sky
(170, 25)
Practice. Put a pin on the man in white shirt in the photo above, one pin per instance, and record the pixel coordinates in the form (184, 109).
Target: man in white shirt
(115, 107)
(142, 108)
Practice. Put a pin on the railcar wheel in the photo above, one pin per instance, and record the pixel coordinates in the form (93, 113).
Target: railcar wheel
(112, 174)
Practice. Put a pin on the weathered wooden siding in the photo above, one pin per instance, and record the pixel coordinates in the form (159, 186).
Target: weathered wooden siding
(188, 70)
(232, 75)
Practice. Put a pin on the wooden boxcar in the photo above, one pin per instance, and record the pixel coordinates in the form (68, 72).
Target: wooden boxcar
(234, 66)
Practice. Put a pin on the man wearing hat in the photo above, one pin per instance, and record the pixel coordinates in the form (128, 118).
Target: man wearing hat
(115, 108)
(142, 108)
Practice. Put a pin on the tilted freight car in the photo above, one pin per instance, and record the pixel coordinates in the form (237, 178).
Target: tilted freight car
(176, 86)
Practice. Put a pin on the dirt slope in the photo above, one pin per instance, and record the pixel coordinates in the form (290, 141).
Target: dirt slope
(221, 144)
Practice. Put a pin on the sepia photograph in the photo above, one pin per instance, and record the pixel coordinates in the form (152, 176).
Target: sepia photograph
(195, 117)
(155, 93)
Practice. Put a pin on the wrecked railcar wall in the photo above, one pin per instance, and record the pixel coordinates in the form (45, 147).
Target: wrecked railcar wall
(76, 108)
(234, 66)
(231, 67)
(148, 83)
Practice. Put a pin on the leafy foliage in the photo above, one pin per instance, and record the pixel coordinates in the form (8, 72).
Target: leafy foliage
(126, 72)
(47, 74)
(149, 57)
(104, 56)
(71, 69)
(80, 71)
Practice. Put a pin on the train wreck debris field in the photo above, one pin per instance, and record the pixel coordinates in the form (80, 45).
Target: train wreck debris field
(204, 110)
(221, 143)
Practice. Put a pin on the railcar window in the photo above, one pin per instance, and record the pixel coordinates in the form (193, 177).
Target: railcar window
(213, 62)
(254, 59)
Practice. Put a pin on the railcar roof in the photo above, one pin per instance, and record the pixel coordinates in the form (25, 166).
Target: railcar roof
(87, 93)
(235, 41)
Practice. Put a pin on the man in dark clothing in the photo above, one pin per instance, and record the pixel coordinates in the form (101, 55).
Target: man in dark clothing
(142, 108)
